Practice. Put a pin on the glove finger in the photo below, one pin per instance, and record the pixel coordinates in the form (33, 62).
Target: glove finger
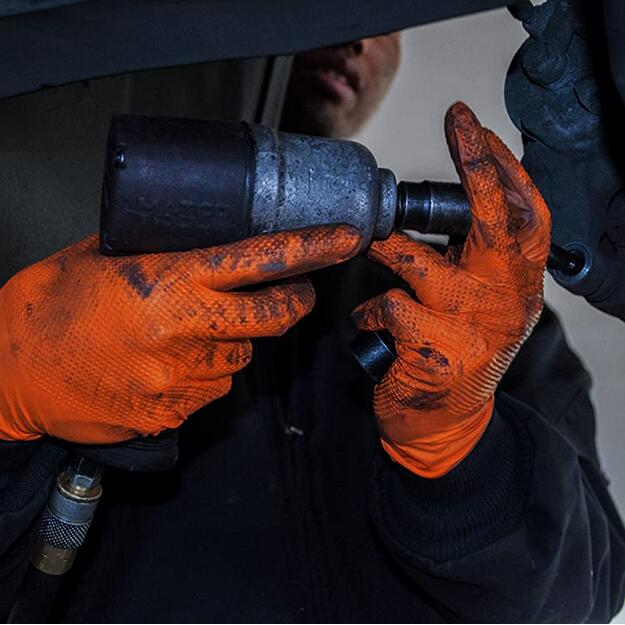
(434, 279)
(180, 401)
(398, 313)
(222, 358)
(152, 412)
(270, 257)
(529, 212)
(383, 313)
(475, 165)
(267, 312)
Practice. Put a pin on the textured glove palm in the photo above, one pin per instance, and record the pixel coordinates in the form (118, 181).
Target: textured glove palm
(476, 307)
(99, 350)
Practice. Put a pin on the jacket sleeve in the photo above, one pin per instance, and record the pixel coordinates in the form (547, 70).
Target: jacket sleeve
(27, 473)
(524, 529)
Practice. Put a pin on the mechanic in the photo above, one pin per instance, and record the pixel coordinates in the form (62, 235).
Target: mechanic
(465, 486)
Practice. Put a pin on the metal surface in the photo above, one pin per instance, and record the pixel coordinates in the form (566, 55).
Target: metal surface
(52, 560)
(566, 261)
(67, 517)
(375, 353)
(433, 208)
(303, 181)
(187, 183)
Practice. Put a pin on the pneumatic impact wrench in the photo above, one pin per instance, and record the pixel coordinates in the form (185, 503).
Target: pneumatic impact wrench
(178, 184)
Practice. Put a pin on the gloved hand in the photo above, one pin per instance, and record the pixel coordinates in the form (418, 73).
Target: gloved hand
(100, 350)
(475, 308)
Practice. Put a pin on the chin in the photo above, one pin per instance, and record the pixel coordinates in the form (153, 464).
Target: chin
(330, 124)
(330, 119)
(313, 116)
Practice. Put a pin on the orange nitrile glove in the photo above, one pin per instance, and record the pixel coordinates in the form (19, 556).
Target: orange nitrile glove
(476, 307)
(100, 350)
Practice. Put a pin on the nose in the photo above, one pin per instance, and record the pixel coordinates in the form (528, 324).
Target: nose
(355, 48)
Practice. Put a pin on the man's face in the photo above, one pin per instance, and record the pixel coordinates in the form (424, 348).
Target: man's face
(333, 91)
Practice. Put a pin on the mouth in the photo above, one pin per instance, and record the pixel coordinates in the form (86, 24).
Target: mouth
(342, 83)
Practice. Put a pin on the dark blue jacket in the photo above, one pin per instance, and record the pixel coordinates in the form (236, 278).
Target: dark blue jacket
(283, 508)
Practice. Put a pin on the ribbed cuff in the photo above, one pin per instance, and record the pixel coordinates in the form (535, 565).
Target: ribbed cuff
(473, 505)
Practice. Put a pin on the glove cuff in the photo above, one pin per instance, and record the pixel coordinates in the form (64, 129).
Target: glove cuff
(482, 500)
(434, 457)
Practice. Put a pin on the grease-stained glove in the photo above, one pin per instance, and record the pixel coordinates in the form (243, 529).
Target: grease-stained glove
(475, 307)
(100, 350)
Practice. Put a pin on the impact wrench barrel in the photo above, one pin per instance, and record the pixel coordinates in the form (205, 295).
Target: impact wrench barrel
(178, 184)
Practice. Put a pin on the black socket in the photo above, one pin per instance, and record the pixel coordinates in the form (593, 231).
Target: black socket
(433, 208)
